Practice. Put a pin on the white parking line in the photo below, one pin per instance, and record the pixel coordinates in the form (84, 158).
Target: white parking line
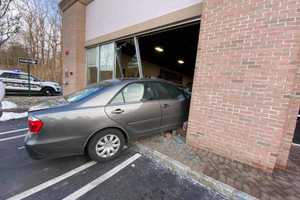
(21, 147)
(14, 131)
(77, 194)
(51, 182)
(12, 138)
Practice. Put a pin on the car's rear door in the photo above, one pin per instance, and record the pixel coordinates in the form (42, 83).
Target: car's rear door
(13, 83)
(174, 105)
(136, 110)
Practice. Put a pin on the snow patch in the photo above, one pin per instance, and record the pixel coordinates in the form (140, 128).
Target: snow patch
(11, 115)
(8, 105)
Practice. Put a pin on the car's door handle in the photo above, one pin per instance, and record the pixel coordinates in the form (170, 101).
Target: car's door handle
(117, 111)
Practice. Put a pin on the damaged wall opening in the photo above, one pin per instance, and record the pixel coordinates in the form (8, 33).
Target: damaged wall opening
(168, 54)
(296, 138)
(171, 54)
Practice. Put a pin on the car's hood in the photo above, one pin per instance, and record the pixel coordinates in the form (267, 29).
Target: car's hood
(49, 83)
(49, 104)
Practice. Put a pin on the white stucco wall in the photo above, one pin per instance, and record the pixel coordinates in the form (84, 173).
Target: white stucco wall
(106, 16)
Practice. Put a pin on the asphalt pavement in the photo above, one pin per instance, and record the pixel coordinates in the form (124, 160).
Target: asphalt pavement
(131, 176)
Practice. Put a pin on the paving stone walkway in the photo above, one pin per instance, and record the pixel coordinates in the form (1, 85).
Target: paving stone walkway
(278, 185)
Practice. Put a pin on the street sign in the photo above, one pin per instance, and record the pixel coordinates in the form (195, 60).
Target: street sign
(27, 61)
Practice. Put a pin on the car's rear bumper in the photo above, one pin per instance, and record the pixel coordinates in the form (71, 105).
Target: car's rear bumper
(33, 149)
(50, 149)
(33, 152)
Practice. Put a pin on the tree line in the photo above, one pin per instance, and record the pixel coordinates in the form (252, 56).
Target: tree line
(31, 29)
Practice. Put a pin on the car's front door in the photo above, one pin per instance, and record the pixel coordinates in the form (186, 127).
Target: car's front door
(135, 109)
(174, 105)
(34, 85)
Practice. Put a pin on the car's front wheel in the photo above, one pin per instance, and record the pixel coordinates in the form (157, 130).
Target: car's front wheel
(48, 91)
(106, 145)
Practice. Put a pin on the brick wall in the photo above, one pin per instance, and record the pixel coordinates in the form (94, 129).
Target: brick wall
(245, 74)
(290, 123)
(73, 33)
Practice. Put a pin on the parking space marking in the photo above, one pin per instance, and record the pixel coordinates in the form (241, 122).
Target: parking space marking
(12, 138)
(14, 131)
(77, 194)
(51, 182)
(21, 147)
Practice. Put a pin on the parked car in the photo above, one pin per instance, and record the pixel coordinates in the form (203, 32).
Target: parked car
(102, 118)
(16, 82)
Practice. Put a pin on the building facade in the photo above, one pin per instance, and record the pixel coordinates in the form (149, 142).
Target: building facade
(246, 78)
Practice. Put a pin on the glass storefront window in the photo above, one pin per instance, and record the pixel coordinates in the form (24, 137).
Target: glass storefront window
(114, 60)
(107, 61)
(92, 65)
(127, 59)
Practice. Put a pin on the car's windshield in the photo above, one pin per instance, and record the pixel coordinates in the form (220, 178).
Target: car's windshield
(35, 78)
(79, 95)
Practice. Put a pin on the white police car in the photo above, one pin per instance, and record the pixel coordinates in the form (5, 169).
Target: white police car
(16, 82)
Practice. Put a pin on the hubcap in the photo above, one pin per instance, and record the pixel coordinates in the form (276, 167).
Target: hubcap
(108, 146)
(47, 92)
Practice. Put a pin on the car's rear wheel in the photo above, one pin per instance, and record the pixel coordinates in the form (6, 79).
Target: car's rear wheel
(48, 92)
(106, 145)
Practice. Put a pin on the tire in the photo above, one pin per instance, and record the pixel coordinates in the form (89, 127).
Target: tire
(48, 91)
(106, 145)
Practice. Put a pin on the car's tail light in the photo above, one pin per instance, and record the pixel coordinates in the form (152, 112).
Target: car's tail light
(34, 125)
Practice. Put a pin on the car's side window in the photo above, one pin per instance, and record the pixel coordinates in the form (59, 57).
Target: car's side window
(13, 76)
(174, 92)
(8, 75)
(134, 92)
(118, 99)
(5, 75)
(33, 78)
(23, 77)
(167, 91)
(149, 93)
(161, 92)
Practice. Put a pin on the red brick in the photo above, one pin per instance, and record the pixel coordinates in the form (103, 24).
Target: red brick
(245, 77)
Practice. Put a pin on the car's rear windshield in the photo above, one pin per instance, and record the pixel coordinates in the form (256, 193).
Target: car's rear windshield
(82, 94)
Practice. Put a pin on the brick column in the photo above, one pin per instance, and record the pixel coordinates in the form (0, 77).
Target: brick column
(290, 123)
(245, 76)
(73, 36)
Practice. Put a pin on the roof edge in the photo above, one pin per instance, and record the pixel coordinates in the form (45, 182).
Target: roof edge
(65, 4)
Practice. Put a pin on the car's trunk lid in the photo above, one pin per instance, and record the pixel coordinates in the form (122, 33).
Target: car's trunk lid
(49, 104)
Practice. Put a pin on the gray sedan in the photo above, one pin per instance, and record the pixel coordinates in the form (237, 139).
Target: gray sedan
(101, 119)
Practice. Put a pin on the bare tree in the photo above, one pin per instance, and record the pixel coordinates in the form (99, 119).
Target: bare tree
(39, 36)
(9, 21)
(42, 36)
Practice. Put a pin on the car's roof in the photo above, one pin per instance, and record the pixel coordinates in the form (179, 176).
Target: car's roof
(124, 81)
(12, 71)
(129, 80)
(119, 83)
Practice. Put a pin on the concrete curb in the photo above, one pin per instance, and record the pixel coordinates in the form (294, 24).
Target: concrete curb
(226, 190)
